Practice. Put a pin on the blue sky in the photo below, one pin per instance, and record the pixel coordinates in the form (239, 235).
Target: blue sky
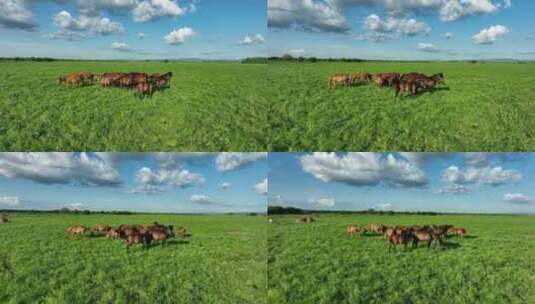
(110, 29)
(149, 182)
(459, 182)
(403, 30)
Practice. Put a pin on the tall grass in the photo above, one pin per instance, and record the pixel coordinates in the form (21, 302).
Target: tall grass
(318, 263)
(209, 107)
(223, 261)
(486, 107)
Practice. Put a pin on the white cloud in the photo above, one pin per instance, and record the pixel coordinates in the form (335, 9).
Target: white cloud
(142, 35)
(9, 200)
(518, 198)
(448, 35)
(249, 40)
(93, 7)
(162, 176)
(201, 199)
(262, 187)
(179, 36)
(60, 168)
(296, 52)
(228, 161)
(403, 26)
(456, 9)
(480, 175)
(72, 28)
(364, 169)
(326, 202)
(490, 35)
(154, 9)
(427, 47)
(16, 14)
(119, 46)
(383, 206)
(454, 189)
(146, 189)
(307, 15)
(225, 186)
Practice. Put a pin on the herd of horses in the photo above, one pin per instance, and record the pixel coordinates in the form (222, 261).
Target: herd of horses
(411, 83)
(131, 234)
(144, 84)
(404, 235)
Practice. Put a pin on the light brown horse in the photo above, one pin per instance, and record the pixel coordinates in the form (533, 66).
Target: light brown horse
(352, 229)
(77, 230)
(340, 79)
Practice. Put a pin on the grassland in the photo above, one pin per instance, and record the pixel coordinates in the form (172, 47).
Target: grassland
(488, 107)
(318, 263)
(209, 107)
(223, 261)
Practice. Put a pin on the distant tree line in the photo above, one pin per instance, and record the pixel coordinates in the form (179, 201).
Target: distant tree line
(38, 59)
(293, 210)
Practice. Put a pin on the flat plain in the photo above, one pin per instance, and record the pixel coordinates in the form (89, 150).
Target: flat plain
(222, 261)
(210, 106)
(319, 263)
(485, 106)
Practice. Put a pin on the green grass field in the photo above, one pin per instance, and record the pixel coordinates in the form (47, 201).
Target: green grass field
(223, 261)
(209, 107)
(488, 107)
(318, 263)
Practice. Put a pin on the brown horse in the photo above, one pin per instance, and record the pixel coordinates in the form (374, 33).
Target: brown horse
(136, 237)
(457, 231)
(161, 233)
(113, 234)
(375, 228)
(339, 79)
(77, 230)
(111, 79)
(101, 228)
(352, 229)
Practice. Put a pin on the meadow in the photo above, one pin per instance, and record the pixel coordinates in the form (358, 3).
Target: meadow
(484, 107)
(222, 261)
(212, 106)
(319, 263)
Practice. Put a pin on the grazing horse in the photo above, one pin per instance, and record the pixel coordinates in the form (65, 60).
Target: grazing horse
(3, 219)
(307, 219)
(161, 233)
(101, 228)
(352, 229)
(407, 86)
(111, 79)
(77, 230)
(144, 89)
(181, 231)
(339, 79)
(375, 228)
(136, 237)
(360, 77)
(457, 231)
(113, 233)
(403, 237)
(422, 235)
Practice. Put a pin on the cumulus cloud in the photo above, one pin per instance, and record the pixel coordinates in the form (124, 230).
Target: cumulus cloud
(201, 199)
(383, 206)
(72, 28)
(448, 35)
(225, 186)
(456, 9)
(92, 7)
(9, 200)
(228, 161)
(364, 169)
(121, 47)
(326, 202)
(490, 35)
(73, 206)
(296, 52)
(327, 16)
(60, 168)
(518, 198)
(141, 35)
(455, 189)
(162, 176)
(262, 187)
(179, 36)
(249, 40)
(478, 170)
(427, 47)
(154, 9)
(306, 15)
(403, 26)
(16, 14)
